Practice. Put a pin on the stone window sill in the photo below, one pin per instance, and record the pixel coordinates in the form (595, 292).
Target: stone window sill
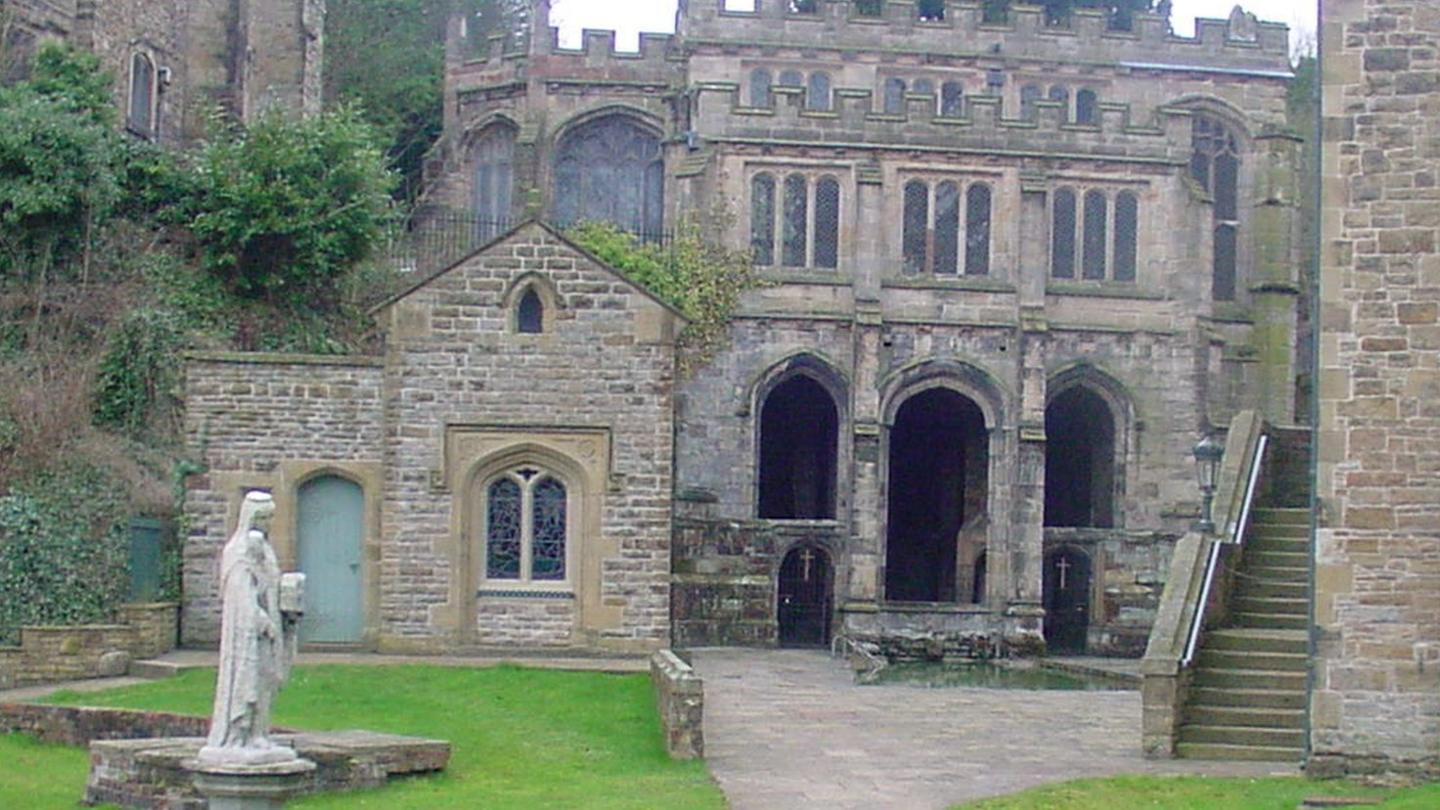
(1102, 289)
(525, 593)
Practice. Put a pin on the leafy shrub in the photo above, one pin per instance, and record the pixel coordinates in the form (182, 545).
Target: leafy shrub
(139, 374)
(63, 549)
(283, 208)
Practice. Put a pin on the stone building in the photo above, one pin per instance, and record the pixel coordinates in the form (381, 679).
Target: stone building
(1020, 264)
(175, 60)
(1375, 702)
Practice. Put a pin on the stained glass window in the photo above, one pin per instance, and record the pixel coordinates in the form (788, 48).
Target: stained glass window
(1062, 235)
(827, 223)
(1097, 215)
(610, 170)
(917, 220)
(1225, 260)
(493, 159)
(1215, 165)
(1127, 228)
(977, 230)
(762, 219)
(530, 314)
(759, 87)
(817, 94)
(894, 96)
(952, 99)
(947, 228)
(141, 119)
(796, 220)
(1086, 109)
(547, 533)
(502, 530)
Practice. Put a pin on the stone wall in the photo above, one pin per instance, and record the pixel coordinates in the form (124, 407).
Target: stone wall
(1128, 571)
(51, 654)
(251, 418)
(680, 699)
(81, 725)
(1376, 701)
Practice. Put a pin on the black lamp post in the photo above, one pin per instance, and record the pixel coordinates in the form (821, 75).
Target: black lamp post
(1208, 453)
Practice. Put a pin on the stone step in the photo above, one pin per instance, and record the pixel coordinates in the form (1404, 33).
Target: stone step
(1248, 587)
(1278, 573)
(1244, 735)
(1249, 679)
(1280, 531)
(1271, 605)
(1251, 753)
(1271, 621)
(1239, 638)
(1260, 558)
(1286, 516)
(1284, 545)
(1245, 659)
(1249, 716)
(1273, 699)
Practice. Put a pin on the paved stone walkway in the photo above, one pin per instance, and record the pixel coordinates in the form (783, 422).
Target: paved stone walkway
(788, 729)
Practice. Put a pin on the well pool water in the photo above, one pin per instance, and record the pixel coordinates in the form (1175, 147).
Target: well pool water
(990, 675)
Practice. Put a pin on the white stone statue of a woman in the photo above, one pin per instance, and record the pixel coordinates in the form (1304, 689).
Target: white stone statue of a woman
(255, 645)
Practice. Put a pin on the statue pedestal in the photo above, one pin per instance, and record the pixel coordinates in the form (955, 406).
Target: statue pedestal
(251, 787)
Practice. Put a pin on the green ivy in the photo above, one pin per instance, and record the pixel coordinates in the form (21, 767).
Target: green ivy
(139, 376)
(63, 550)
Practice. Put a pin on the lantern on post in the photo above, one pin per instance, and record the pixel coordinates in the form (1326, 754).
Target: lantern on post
(1208, 453)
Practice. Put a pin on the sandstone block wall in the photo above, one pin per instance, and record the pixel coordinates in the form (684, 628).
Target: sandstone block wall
(248, 414)
(50, 654)
(680, 699)
(1376, 699)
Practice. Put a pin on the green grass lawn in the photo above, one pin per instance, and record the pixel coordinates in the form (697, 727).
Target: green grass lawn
(522, 738)
(1197, 793)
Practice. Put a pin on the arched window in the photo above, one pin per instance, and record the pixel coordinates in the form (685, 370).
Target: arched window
(1215, 165)
(1127, 229)
(952, 100)
(916, 223)
(1062, 234)
(1097, 216)
(930, 10)
(1061, 95)
(493, 157)
(1029, 94)
(1086, 111)
(894, 96)
(947, 228)
(817, 94)
(141, 117)
(526, 527)
(799, 429)
(1080, 468)
(762, 219)
(796, 219)
(827, 223)
(759, 87)
(792, 78)
(530, 314)
(610, 170)
(977, 230)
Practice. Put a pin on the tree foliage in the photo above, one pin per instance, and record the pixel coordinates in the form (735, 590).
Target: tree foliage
(282, 209)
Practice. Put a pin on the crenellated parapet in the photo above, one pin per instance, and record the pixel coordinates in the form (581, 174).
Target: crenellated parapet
(1226, 45)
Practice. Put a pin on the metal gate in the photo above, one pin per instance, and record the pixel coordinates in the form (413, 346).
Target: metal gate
(1067, 600)
(803, 608)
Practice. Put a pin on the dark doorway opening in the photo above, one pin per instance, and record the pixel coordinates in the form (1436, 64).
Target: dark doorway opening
(803, 608)
(798, 435)
(939, 478)
(1067, 600)
(977, 592)
(1079, 461)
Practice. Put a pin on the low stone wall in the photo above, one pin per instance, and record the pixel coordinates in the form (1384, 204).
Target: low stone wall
(80, 725)
(50, 654)
(680, 698)
(1129, 571)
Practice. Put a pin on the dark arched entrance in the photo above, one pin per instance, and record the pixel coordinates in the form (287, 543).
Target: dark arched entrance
(1079, 460)
(939, 478)
(804, 593)
(798, 431)
(1067, 600)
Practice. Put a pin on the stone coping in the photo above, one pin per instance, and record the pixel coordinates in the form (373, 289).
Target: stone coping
(281, 359)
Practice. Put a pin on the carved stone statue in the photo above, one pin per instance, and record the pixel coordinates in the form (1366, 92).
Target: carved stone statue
(257, 641)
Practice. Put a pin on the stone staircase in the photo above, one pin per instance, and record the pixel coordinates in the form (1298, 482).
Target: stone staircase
(1247, 699)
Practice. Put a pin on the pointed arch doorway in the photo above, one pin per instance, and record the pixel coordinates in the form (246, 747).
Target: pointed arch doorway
(330, 533)
(804, 596)
(1067, 600)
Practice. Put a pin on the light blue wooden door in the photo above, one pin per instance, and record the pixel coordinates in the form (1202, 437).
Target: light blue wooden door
(331, 530)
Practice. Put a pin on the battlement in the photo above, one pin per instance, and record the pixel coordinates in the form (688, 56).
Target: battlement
(598, 56)
(1159, 135)
(1228, 45)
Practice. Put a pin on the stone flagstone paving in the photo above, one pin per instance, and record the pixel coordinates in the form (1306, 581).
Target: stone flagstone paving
(787, 729)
